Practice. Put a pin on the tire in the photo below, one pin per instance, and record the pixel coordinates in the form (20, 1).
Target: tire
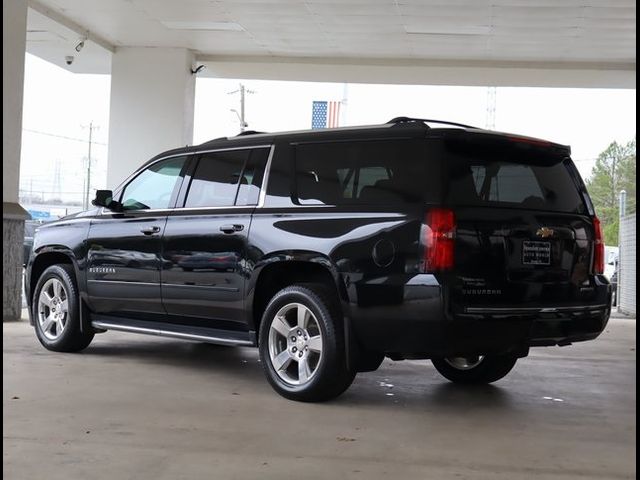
(62, 334)
(326, 374)
(488, 369)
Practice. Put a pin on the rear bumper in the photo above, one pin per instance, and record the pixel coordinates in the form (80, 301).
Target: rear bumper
(417, 325)
(502, 332)
(570, 327)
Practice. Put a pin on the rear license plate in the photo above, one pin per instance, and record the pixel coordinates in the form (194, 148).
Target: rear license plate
(536, 253)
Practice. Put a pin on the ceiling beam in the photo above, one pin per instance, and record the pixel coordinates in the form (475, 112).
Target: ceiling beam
(427, 72)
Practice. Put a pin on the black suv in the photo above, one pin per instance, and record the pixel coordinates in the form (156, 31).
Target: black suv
(331, 249)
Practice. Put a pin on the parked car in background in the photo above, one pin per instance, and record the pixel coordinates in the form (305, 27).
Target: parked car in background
(611, 260)
(614, 286)
(330, 250)
(30, 227)
(29, 231)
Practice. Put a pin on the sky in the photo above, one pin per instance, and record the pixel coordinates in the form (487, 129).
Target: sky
(58, 104)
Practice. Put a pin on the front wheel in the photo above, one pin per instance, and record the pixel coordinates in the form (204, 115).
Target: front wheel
(302, 344)
(56, 311)
(475, 369)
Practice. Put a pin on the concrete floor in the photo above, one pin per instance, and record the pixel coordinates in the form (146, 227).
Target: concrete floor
(136, 407)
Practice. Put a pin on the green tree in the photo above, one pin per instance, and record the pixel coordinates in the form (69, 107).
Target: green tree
(615, 170)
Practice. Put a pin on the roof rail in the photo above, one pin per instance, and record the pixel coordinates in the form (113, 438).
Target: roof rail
(248, 132)
(426, 121)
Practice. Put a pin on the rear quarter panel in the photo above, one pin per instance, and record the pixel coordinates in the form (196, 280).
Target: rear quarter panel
(373, 253)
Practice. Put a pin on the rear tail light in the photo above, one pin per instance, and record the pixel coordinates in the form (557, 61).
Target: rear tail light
(598, 247)
(438, 238)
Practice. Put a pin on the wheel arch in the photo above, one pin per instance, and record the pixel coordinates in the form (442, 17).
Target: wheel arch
(43, 260)
(280, 270)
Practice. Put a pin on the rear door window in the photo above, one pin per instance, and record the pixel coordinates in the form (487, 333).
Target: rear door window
(216, 179)
(366, 172)
(252, 177)
(227, 178)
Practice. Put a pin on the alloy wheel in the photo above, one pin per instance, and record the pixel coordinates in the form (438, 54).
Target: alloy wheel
(295, 344)
(53, 308)
(465, 363)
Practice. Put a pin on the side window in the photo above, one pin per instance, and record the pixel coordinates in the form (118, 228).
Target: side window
(376, 172)
(153, 188)
(216, 179)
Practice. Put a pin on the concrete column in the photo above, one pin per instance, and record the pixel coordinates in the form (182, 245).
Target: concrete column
(14, 34)
(152, 99)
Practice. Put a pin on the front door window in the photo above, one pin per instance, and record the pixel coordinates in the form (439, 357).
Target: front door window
(154, 187)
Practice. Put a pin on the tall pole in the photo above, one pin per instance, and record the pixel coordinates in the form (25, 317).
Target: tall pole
(242, 122)
(622, 211)
(87, 191)
(344, 102)
(243, 91)
(490, 121)
(623, 203)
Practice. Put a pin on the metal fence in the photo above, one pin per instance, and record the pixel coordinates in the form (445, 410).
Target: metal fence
(627, 266)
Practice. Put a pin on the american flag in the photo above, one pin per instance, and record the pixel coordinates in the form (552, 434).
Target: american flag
(325, 114)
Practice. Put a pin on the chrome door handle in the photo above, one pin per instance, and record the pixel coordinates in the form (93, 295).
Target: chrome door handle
(231, 228)
(150, 230)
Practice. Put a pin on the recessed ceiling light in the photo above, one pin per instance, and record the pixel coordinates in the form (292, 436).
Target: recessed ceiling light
(453, 30)
(211, 26)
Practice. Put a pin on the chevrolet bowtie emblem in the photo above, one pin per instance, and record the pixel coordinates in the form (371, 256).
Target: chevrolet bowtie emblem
(545, 232)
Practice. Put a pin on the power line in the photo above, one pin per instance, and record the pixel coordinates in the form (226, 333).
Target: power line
(49, 192)
(83, 140)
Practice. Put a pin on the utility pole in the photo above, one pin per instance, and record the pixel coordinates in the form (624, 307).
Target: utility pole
(243, 91)
(87, 186)
(490, 121)
(56, 180)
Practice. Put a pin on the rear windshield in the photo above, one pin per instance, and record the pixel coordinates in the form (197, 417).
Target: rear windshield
(368, 172)
(512, 179)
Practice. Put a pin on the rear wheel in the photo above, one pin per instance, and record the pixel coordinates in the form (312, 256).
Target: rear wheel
(302, 344)
(475, 369)
(56, 311)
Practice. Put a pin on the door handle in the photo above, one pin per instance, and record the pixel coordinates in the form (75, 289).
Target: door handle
(231, 228)
(150, 230)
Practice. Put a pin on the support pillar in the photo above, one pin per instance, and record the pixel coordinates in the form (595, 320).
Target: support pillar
(14, 34)
(152, 101)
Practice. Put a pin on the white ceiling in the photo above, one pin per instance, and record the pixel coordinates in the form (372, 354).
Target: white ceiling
(556, 32)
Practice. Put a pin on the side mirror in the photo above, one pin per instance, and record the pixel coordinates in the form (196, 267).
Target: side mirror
(104, 198)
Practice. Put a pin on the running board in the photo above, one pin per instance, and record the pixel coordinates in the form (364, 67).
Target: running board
(198, 334)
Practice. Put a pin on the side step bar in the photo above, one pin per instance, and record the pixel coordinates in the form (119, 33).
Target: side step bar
(198, 334)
